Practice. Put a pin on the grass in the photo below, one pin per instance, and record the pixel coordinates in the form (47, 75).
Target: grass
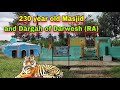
(69, 74)
(114, 72)
(11, 67)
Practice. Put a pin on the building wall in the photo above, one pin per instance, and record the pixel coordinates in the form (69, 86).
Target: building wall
(115, 52)
(75, 53)
(8, 50)
(77, 41)
(103, 42)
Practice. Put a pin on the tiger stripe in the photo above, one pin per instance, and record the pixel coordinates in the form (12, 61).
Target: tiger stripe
(45, 71)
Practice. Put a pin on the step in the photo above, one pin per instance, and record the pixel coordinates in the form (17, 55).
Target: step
(89, 58)
(92, 63)
(89, 70)
(92, 76)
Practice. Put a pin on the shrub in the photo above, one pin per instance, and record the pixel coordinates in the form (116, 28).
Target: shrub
(116, 42)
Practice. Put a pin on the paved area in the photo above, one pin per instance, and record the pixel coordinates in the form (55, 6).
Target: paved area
(98, 63)
(91, 63)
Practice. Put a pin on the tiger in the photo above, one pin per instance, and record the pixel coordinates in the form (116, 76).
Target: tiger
(32, 70)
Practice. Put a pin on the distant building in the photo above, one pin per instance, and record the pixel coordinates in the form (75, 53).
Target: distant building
(20, 49)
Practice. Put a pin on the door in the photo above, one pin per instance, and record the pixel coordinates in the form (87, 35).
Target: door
(31, 52)
(14, 53)
(23, 53)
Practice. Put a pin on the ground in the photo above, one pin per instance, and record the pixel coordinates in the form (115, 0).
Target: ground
(11, 67)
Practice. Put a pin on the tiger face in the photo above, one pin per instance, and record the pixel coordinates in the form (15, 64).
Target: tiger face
(28, 69)
(29, 61)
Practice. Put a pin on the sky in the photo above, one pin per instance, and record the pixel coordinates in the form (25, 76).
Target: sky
(6, 17)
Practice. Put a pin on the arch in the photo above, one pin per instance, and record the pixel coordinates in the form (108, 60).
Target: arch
(31, 52)
(14, 53)
(23, 54)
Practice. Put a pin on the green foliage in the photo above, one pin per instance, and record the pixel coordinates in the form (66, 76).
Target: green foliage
(116, 42)
(69, 74)
(109, 24)
(11, 67)
(114, 72)
(88, 21)
(15, 22)
(61, 35)
(45, 43)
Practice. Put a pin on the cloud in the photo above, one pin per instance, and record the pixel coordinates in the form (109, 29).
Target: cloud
(5, 18)
(94, 14)
(7, 14)
(53, 23)
(62, 13)
(5, 36)
(32, 13)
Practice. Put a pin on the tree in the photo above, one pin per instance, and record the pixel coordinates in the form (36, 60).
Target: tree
(61, 35)
(109, 23)
(38, 35)
(16, 23)
(66, 38)
(49, 35)
(55, 38)
(32, 37)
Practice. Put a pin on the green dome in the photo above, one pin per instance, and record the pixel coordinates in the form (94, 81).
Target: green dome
(13, 40)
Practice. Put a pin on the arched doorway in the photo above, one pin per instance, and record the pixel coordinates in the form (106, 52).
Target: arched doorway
(14, 53)
(31, 52)
(23, 53)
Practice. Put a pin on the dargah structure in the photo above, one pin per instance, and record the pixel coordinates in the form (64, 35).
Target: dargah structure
(80, 50)
(16, 49)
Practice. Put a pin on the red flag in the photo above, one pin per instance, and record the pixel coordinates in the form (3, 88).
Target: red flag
(50, 44)
(68, 42)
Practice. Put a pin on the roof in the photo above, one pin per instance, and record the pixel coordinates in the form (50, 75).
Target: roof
(18, 43)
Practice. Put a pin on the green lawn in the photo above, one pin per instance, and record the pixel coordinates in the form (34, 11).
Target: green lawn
(10, 67)
(114, 72)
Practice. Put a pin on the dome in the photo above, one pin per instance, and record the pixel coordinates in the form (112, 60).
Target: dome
(13, 40)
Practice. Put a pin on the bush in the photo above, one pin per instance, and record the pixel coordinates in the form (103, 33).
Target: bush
(116, 42)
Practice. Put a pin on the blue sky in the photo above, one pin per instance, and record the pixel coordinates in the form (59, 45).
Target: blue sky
(47, 13)
(94, 14)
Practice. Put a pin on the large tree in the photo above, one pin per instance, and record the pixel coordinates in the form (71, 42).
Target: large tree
(16, 23)
(109, 23)
(38, 35)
